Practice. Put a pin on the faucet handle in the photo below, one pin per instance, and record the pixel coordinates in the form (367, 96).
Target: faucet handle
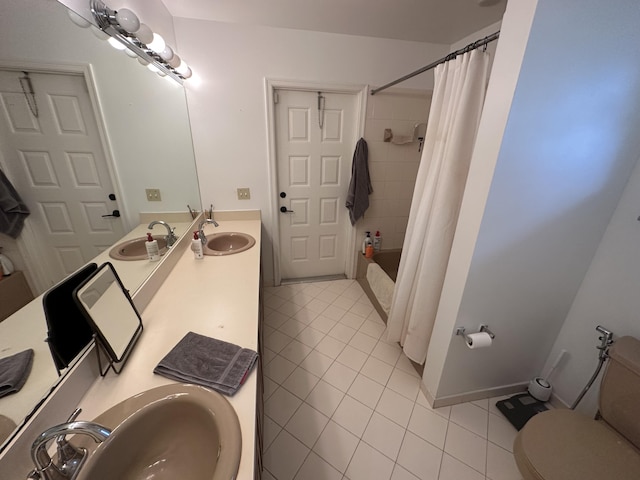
(69, 456)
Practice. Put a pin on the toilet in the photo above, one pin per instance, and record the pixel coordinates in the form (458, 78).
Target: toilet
(563, 444)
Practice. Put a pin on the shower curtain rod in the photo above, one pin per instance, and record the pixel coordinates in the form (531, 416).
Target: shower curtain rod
(451, 56)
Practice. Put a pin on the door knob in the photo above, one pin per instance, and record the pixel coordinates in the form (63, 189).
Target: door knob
(283, 195)
(115, 213)
(285, 210)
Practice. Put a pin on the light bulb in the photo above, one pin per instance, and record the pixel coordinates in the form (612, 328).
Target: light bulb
(142, 61)
(175, 61)
(188, 73)
(77, 19)
(128, 20)
(116, 44)
(158, 44)
(130, 53)
(167, 53)
(183, 68)
(153, 68)
(161, 73)
(144, 34)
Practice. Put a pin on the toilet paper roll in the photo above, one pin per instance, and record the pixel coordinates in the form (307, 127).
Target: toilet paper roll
(478, 340)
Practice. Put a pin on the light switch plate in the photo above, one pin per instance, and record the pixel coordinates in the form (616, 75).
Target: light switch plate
(153, 194)
(244, 194)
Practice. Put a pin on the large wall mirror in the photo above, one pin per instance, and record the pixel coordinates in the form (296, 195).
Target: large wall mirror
(146, 132)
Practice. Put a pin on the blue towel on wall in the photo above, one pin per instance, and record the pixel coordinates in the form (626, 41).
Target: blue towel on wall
(13, 211)
(360, 186)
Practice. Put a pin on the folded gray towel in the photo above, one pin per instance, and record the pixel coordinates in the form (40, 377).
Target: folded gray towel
(14, 371)
(209, 362)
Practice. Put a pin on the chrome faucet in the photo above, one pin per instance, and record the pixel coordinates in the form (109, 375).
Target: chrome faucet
(70, 458)
(171, 236)
(203, 238)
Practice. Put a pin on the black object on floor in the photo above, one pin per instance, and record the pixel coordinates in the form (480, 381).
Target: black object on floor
(520, 408)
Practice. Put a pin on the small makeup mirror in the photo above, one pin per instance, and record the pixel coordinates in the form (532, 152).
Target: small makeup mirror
(108, 308)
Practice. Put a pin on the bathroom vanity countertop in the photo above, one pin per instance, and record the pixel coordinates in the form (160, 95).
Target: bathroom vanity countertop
(216, 297)
(20, 331)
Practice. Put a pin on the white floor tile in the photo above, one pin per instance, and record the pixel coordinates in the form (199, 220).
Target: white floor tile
(428, 425)
(316, 363)
(352, 320)
(340, 376)
(271, 431)
(330, 346)
(452, 469)
(292, 327)
(295, 351)
(377, 370)
(367, 463)
(267, 330)
(307, 424)
(376, 318)
(344, 302)
(471, 417)
(288, 308)
(352, 358)
(366, 391)
(400, 473)
(306, 315)
(501, 465)
(342, 332)
(363, 342)
(444, 412)
(279, 369)
(352, 415)
(362, 309)
(334, 313)
(336, 446)
(325, 398)
(277, 341)
(317, 306)
(405, 365)
(327, 296)
(285, 456)
(386, 352)
(395, 407)
(404, 384)
(466, 446)
(267, 476)
(268, 355)
(419, 457)
(300, 383)
(274, 301)
(315, 468)
(324, 324)
(310, 336)
(269, 387)
(484, 403)
(301, 299)
(372, 329)
(501, 432)
(384, 435)
(281, 406)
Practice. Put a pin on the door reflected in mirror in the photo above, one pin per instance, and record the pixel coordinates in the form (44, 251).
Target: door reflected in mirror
(109, 310)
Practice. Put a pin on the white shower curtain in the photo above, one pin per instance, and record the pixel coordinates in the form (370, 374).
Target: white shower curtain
(458, 96)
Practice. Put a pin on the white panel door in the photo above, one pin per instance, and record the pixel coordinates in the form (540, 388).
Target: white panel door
(313, 166)
(57, 164)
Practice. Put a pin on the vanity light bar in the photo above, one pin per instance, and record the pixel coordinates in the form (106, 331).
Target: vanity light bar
(124, 27)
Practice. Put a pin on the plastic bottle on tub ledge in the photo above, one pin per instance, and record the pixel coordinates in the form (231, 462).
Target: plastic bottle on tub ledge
(366, 242)
(377, 242)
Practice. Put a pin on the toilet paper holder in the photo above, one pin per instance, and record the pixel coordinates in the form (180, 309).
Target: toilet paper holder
(483, 328)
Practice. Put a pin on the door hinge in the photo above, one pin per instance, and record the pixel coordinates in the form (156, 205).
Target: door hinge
(276, 97)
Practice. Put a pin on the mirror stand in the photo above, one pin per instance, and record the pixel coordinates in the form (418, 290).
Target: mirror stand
(104, 358)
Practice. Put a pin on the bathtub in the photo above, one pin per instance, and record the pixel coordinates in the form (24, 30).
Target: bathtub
(378, 288)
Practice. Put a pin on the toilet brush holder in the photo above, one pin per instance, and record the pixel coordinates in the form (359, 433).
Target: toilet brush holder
(540, 389)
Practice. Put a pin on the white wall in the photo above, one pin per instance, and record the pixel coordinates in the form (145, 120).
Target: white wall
(568, 148)
(227, 97)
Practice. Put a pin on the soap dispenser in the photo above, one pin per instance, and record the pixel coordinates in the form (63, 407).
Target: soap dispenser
(153, 252)
(196, 246)
(366, 242)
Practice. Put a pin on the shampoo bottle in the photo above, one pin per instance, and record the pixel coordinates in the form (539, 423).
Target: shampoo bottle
(366, 242)
(377, 242)
(196, 246)
(153, 252)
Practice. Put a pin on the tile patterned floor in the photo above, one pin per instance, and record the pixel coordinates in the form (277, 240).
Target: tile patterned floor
(342, 403)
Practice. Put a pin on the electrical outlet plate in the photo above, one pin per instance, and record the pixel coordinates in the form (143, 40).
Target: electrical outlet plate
(153, 194)
(244, 194)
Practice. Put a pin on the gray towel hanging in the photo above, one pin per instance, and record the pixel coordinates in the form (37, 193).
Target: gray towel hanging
(13, 211)
(360, 186)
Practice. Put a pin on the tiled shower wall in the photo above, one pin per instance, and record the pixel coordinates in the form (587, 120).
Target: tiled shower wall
(393, 168)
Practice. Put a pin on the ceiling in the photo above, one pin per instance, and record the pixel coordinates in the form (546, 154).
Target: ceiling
(433, 21)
